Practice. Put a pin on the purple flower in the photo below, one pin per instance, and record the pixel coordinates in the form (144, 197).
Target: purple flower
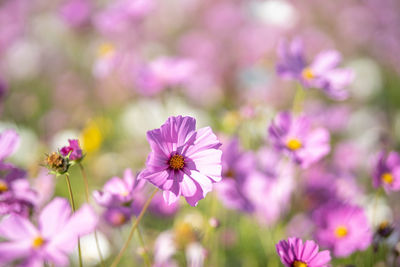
(236, 167)
(387, 171)
(54, 238)
(295, 253)
(160, 208)
(322, 73)
(121, 197)
(183, 161)
(73, 148)
(295, 137)
(342, 228)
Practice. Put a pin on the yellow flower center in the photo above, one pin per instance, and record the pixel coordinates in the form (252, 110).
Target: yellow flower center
(387, 177)
(105, 49)
(37, 242)
(299, 264)
(341, 231)
(3, 187)
(176, 162)
(308, 74)
(294, 144)
(184, 234)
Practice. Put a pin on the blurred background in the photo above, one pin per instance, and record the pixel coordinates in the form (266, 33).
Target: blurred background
(105, 72)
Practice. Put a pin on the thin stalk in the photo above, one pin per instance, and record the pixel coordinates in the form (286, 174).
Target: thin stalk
(146, 257)
(85, 181)
(71, 198)
(134, 226)
(298, 100)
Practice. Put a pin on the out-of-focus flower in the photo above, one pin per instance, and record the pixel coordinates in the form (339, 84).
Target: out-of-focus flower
(162, 73)
(9, 141)
(90, 255)
(76, 12)
(295, 253)
(52, 241)
(236, 167)
(160, 208)
(270, 186)
(121, 197)
(342, 228)
(295, 137)
(44, 185)
(73, 150)
(183, 161)
(120, 16)
(387, 171)
(322, 73)
(182, 238)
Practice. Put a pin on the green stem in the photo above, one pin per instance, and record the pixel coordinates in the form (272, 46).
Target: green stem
(298, 99)
(85, 181)
(71, 198)
(146, 257)
(134, 226)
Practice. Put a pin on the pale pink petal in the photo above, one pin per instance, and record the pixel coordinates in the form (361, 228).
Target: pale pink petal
(15, 227)
(54, 216)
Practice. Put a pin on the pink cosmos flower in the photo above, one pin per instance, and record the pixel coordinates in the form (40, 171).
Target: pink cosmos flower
(321, 73)
(342, 228)
(295, 137)
(295, 253)
(183, 161)
(121, 197)
(269, 187)
(387, 171)
(73, 148)
(236, 167)
(52, 241)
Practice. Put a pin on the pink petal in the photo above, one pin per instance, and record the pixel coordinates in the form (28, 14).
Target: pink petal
(188, 187)
(54, 216)
(15, 227)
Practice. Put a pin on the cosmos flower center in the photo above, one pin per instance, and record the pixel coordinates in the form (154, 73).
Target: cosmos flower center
(118, 218)
(176, 162)
(307, 74)
(297, 263)
(387, 177)
(105, 50)
(294, 144)
(37, 242)
(341, 231)
(230, 173)
(3, 187)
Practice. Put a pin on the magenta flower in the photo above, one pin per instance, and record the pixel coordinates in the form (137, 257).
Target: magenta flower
(52, 241)
(73, 148)
(342, 228)
(295, 137)
(295, 253)
(183, 161)
(322, 73)
(387, 171)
